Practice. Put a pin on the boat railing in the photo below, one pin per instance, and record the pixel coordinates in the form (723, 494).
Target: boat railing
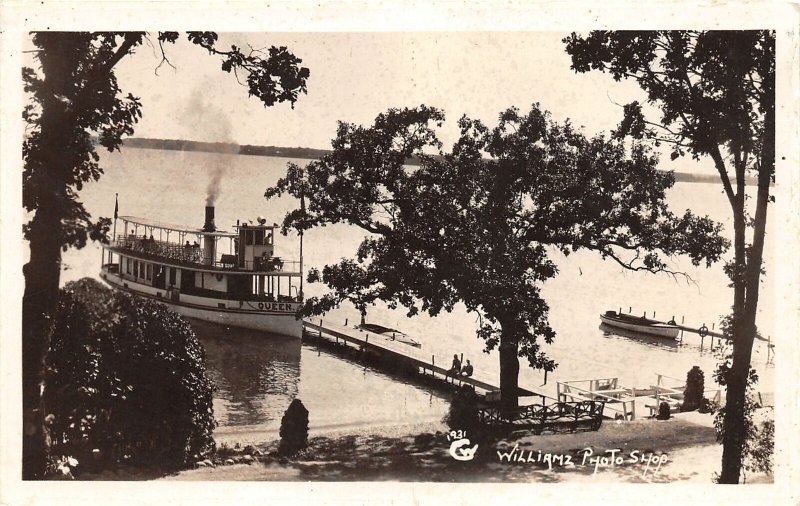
(195, 255)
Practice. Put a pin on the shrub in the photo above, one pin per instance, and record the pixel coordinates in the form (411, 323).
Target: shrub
(762, 448)
(463, 412)
(663, 411)
(294, 429)
(695, 385)
(125, 379)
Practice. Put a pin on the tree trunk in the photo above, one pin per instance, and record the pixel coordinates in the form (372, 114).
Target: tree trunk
(509, 369)
(39, 304)
(48, 164)
(745, 325)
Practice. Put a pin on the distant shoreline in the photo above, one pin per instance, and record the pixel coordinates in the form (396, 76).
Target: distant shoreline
(314, 154)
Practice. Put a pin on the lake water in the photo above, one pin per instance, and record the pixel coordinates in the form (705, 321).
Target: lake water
(257, 375)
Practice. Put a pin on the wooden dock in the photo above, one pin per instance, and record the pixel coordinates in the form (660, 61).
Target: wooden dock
(408, 355)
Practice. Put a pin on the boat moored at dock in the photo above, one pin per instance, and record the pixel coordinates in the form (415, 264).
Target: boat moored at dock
(390, 334)
(640, 324)
(246, 286)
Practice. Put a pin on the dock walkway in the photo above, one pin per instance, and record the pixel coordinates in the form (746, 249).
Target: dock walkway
(409, 355)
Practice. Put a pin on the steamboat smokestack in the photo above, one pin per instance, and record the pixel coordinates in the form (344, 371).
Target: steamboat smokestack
(209, 243)
(209, 225)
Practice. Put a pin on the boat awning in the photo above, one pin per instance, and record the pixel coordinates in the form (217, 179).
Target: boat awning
(163, 225)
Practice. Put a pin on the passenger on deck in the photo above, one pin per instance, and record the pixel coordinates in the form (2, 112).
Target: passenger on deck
(467, 369)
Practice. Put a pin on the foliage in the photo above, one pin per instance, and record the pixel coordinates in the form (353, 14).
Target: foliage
(294, 429)
(463, 412)
(695, 386)
(716, 94)
(761, 450)
(474, 225)
(126, 379)
(663, 411)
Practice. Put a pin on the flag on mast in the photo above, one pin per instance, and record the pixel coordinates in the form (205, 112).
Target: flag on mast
(116, 205)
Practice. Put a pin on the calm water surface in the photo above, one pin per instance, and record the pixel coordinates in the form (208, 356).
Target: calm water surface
(258, 375)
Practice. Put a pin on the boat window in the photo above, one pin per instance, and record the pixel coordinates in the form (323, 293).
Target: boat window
(149, 271)
(259, 236)
(128, 265)
(136, 268)
(248, 237)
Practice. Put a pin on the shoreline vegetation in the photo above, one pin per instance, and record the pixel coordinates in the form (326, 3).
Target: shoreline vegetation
(313, 154)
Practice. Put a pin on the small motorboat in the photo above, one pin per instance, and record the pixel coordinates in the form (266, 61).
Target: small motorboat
(389, 334)
(640, 324)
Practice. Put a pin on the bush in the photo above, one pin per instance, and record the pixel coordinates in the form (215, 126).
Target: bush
(663, 411)
(294, 429)
(695, 385)
(762, 448)
(125, 380)
(463, 412)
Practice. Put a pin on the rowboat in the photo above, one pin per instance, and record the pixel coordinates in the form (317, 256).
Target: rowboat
(389, 334)
(640, 324)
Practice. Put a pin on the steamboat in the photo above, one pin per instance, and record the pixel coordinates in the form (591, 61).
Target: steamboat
(231, 278)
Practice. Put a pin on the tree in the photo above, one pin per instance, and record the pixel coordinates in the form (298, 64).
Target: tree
(716, 93)
(74, 97)
(474, 225)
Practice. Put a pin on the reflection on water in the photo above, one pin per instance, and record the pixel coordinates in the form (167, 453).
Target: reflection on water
(256, 374)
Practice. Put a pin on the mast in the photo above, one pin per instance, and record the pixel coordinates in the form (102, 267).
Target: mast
(302, 208)
(114, 235)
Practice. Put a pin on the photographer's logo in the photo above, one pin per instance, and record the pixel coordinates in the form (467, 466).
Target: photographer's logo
(460, 449)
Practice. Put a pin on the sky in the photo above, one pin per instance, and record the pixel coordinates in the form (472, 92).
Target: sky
(357, 75)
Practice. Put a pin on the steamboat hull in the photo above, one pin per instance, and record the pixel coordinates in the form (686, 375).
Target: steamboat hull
(270, 317)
